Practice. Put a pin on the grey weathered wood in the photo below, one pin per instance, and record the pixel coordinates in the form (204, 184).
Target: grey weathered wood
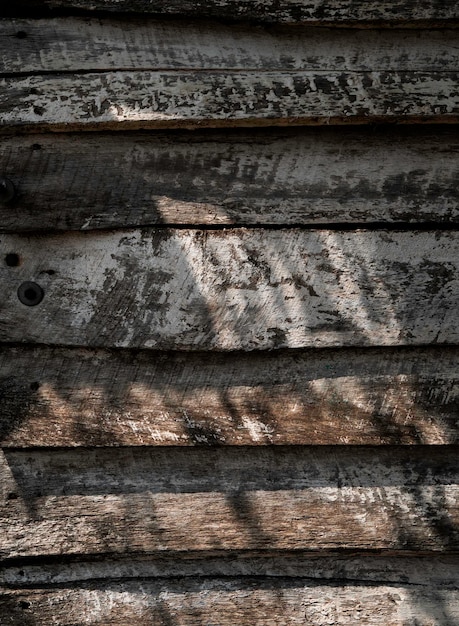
(73, 397)
(433, 570)
(187, 99)
(169, 500)
(287, 11)
(245, 601)
(233, 289)
(75, 44)
(307, 176)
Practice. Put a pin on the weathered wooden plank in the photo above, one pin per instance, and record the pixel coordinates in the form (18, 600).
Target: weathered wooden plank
(231, 289)
(155, 99)
(307, 176)
(225, 602)
(75, 44)
(73, 397)
(433, 570)
(287, 11)
(167, 500)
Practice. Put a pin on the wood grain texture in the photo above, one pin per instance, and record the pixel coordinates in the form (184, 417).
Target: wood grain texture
(233, 289)
(73, 397)
(225, 602)
(286, 11)
(433, 570)
(75, 44)
(301, 176)
(186, 99)
(173, 500)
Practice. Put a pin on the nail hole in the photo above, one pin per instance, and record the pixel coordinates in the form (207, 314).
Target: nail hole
(21, 572)
(36, 146)
(12, 259)
(21, 34)
(7, 190)
(30, 293)
(35, 386)
(24, 605)
(12, 496)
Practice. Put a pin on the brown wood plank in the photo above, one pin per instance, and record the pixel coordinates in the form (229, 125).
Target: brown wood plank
(87, 181)
(74, 44)
(187, 99)
(225, 602)
(131, 501)
(229, 289)
(73, 397)
(291, 11)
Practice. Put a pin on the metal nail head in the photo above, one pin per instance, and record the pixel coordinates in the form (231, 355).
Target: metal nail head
(30, 293)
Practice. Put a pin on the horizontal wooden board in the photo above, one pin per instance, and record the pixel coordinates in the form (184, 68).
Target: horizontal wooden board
(433, 570)
(234, 289)
(158, 99)
(132, 501)
(76, 44)
(307, 176)
(286, 11)
(225, 602)
(74, 397)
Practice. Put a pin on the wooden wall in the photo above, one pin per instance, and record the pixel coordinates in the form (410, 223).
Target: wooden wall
(229, 267)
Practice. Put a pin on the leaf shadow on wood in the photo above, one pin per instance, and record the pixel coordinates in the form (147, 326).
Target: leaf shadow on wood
(120, 492)
(443, 523)
(194, 427)
(109, 390)
(72, 397)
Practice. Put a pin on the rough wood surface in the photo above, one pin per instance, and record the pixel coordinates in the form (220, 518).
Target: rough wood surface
(159, 99)
(301, 176)
(157, 501)
(433, 570)
(286, 11)
(75, 44)
(74, 397)
(247, 602)
(234, 289)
